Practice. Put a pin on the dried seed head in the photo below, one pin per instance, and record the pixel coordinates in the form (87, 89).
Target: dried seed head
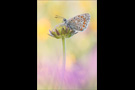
(57, 32)
(61, 31)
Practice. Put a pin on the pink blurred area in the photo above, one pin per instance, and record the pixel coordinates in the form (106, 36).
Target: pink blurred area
(77, 77)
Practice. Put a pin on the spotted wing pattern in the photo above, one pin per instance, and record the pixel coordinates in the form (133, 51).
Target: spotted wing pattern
(79, 22)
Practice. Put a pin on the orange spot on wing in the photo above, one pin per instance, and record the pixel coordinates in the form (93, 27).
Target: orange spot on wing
(83, 26)
(81, 16)
(84, 19)
(81, 29)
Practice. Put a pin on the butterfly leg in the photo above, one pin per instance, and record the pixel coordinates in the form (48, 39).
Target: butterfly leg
(75, 31)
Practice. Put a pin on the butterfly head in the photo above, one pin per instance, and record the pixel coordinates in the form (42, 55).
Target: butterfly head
(65, 20)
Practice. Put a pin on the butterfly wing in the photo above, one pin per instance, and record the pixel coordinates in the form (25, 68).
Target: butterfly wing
(79, 22)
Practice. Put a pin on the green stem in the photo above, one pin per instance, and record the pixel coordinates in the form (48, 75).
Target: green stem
(64, 53)
(64, 59)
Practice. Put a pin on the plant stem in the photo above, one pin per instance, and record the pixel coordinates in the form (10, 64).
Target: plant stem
(64, 59)
(64, 53)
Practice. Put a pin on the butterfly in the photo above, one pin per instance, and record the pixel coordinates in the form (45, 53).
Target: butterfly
(77, 23)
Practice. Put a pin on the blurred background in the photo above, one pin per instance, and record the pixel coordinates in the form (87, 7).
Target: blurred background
(81, 49)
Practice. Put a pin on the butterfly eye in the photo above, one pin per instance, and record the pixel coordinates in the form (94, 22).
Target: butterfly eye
(64, 20)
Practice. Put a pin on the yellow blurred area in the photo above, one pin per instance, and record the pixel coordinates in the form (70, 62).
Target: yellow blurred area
(41, 2)
(85, 4)
(56, 9)
(94, 26)
(70, 60)
(43, 27)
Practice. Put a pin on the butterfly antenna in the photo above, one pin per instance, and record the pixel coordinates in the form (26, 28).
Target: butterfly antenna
(58, 16)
